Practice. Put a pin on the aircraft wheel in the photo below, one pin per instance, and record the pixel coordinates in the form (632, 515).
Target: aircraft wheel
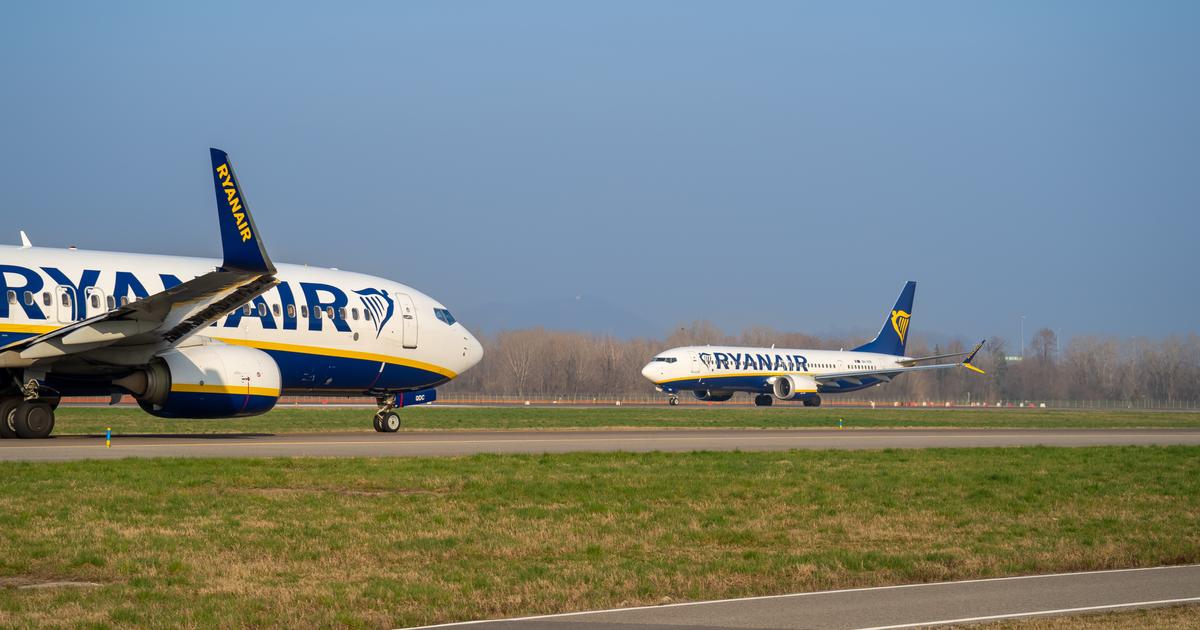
(763, 400)
(674, 400)
(33, 419)
(816, 401)
(8, 408)
(390, 422)
(377, 422)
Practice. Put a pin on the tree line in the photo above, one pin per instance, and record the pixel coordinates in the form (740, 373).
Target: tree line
(551, 364)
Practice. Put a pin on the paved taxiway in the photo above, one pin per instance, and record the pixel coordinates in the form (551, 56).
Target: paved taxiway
(432, 443)
(893, 607)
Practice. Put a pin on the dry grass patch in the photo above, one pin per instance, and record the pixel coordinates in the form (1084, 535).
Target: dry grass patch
(386, 542)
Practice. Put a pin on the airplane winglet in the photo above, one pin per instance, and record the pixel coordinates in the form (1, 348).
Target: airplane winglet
(25, 244)
(971, 357)
(240, 239)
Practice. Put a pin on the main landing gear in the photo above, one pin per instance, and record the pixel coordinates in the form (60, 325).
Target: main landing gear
(28, 419)
(387, 420)
(763, 400)
(812, 401)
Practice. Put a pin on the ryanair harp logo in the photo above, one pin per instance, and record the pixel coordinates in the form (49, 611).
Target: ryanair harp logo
(378, 305)
(900, 323)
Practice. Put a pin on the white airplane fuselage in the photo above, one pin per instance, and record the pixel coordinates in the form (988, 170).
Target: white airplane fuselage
(718, 370)
(328, 330)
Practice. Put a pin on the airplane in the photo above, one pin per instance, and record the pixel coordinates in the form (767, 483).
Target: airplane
(715, 373)
(202, 338)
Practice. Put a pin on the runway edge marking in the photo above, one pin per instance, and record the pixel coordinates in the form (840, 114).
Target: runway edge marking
(810, 594)
(1035, 613)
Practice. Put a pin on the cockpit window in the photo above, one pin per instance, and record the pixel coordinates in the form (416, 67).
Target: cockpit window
(444, 315)
(665, 359)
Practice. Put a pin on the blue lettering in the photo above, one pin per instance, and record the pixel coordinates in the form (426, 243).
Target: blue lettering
(722, 360)
(764, 361)
(748, 362)
(288, 301)
(33, 284)
(779, 364)
(259, 305)
(126, 282)
(87, 280)
(801, 363)
(169, 281)
(737, 360)
(337, 302)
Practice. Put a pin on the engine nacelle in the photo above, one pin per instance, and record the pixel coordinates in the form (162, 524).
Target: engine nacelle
(711, 396)
(211, 381)
(788, 386)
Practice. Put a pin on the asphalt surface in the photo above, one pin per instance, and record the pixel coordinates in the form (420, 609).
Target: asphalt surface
(433, 443)
(905, 606)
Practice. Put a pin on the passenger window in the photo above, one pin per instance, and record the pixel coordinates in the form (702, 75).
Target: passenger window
(124, 300)
(275, 309)
(95, 301)
(366, 315)
(112, 302)
(341, 313)
(247, 309)
(46, 299)
(304, 311)
(262, 309)
(354, 313)
(292, 311)
(316, 313)
(12, 297)
(28, 298)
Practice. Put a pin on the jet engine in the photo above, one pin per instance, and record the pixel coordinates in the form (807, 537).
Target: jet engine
(208, 381)
(711, 396)
(786, 387)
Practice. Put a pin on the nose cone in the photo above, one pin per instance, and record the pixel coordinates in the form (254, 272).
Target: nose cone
(652, 371)
(472, 351)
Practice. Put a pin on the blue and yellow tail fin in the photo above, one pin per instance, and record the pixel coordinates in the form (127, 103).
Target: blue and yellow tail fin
(894, 335)
(243, 246)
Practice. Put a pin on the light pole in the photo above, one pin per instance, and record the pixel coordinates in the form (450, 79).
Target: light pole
(1022, 337)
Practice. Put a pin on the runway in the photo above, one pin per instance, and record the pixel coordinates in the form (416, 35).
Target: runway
(442, 443)
(895, 607)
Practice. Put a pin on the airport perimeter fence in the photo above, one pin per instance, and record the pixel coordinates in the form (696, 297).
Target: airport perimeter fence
(543, 400)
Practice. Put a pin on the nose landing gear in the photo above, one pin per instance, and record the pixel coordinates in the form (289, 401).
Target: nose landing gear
(672, 400)
(386, 419)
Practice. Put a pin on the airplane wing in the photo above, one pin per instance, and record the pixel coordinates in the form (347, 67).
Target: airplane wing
(133, 333)
(887, 374)
(934, 358)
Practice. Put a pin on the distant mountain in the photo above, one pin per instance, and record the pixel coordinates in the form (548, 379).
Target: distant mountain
(575, 313)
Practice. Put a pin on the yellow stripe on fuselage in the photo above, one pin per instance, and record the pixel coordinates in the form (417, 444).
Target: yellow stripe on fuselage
(283, 347)
(337, 352)
(240, 390)
(27, 328)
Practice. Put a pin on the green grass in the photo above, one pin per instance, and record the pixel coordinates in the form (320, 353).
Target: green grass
(285, 419)
(386, 542)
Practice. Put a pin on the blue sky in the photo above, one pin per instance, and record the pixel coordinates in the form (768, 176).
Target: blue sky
(788, 164)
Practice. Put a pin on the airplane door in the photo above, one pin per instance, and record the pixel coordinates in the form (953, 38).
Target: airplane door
(95, 304)
(408, 320)
(695, 363)
(63, 299)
